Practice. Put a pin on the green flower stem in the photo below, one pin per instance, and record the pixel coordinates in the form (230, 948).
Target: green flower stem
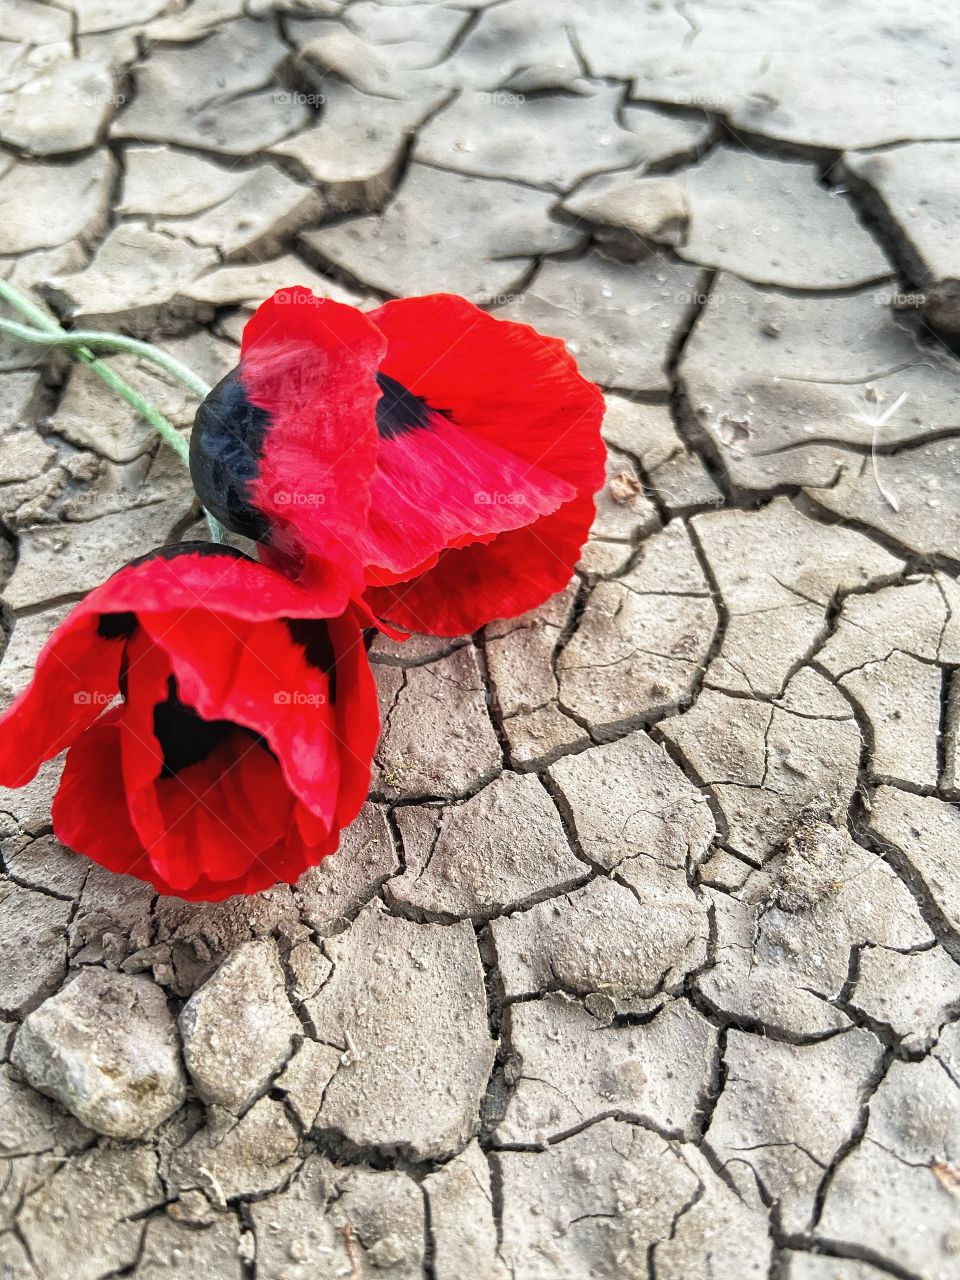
(94, 339)
(49, 332)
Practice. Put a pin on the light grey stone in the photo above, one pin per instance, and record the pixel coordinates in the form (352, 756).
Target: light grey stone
(537, 737)
(45, 864)
(135, 278)
(808, 694)
(625, 514)
(519, 658)
(900, 698)
(106, 1048)
(797, 390)
(305, 1078)
(255, 221)
(676, 475)
(913, 994)
(795, 233)
(67, 559)
(112, 918)
(160, 183)
(218, 94)
(202, 17)
(512, 50)
(25, 456)
(909, 618)
(111, 427)
(913, 502)
(30, 273)
(14, 1260)
(551, 140)
(230, 1157)
(631, 807)
(432, 25)
(105, 15)
(61, 105)
(249, 284)
(643, 639)
(175, 1252)
(31, 1124)
(23, 401)
(238, 1029)
(817, 1266)
(353, 156)
(308, 968)
(947, 1050)
(34, 23)
(842, 81)
(783, 944)
(399, 68)
(199, 936)
(628, 213)
(414, 650)
(766, 764)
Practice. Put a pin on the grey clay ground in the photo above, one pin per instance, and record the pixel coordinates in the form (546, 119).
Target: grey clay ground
(643, 959)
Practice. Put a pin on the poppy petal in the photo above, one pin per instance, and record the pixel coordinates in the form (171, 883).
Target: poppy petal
(437, 484)
(503, 579)
(357, 717)
(284, 448)
(502, 381)
(285, 863)
(220, 814)
(102, 831)
(511, 388)
(77, 672)
(275, 678)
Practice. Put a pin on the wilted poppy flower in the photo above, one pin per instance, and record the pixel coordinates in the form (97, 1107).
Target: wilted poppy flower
(219, 725)
(448, 457)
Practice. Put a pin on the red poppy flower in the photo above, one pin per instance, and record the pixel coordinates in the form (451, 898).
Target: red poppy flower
(470, 446)
(219, 724)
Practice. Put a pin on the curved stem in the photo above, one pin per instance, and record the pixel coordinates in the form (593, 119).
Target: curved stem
(93, 338)
(51, 331)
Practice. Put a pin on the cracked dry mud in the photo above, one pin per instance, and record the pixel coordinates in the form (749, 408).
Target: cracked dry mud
(643, 959)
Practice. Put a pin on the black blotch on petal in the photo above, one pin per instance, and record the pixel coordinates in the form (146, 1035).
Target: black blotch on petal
(185, 738)
(399, 410)
(226, 446)
(116, 626)
(176, 549)
(313, 635)
(123, 680)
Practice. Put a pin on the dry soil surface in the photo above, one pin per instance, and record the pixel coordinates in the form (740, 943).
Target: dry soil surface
(643, 959)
